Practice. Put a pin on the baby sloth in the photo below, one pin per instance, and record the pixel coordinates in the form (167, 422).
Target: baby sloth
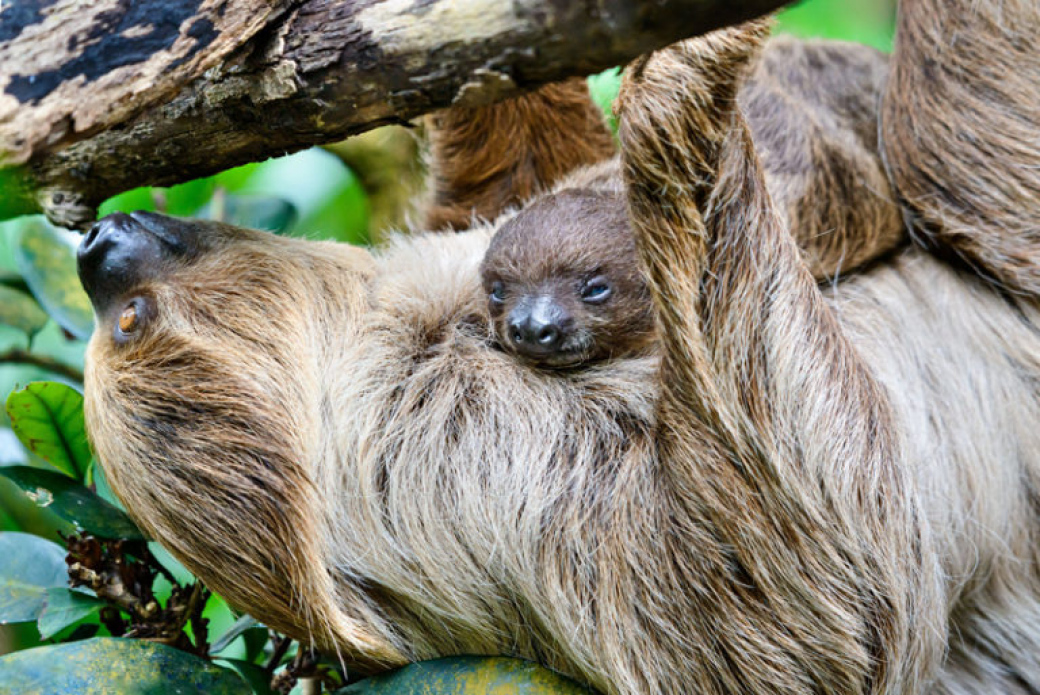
(563, 281)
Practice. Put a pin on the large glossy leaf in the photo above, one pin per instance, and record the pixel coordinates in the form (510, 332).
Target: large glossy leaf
(29, 565)
(63, 608)
(103, 666)
(73, 502)
(467, 675)
(21, 311)
(48, 418)
(256, 676)
(46, 259)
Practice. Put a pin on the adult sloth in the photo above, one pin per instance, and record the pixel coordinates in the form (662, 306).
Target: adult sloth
(806, 493)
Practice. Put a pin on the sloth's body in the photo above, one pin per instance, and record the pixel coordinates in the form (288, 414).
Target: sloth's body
(805, 492)
(549, 525)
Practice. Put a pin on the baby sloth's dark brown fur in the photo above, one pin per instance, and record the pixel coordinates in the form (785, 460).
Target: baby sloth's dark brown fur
(563, 281)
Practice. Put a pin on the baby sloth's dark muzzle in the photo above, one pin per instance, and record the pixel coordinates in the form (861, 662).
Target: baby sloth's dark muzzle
(121, 251)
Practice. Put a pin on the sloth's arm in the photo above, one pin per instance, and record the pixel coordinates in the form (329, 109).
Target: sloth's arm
(960, 123)
(774, 440)
(488, 158)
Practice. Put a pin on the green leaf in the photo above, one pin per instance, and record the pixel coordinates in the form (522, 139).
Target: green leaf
(12, 339)
(29, 565)
(63, 608)
(254, 211)
(184, 199)
(46, 258)
(467, 675)
(179, 571)
(48, 418)
(17, 186)
(73, 502)
(256, 676)
(20, 310)
(128, 201)
(241, 625)
(9, 232)
(108, 665)
(603, 87)
(102, 488)
(53, 342)
(255, 639)
(329, 198)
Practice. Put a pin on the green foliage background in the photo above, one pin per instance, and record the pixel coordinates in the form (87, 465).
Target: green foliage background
(45, 318)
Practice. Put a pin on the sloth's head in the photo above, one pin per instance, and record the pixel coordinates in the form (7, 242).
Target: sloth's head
(204, 396)
(563, 282)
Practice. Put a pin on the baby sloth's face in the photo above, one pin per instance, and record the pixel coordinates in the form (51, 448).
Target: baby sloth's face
(563, 282)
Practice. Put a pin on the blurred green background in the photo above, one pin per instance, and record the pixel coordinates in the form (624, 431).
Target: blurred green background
(350, 192)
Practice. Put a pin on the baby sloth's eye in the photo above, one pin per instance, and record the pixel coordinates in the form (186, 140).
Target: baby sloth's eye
(596, 290)
(131, 319)
(498, 292)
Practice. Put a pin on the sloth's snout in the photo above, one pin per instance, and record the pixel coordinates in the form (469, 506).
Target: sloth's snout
(120, 251)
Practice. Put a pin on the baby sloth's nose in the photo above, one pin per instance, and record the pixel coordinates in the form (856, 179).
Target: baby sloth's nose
(546, 336)
(120, 251)
(538, 328)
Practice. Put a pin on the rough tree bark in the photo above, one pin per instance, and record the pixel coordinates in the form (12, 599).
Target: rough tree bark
(99, 96)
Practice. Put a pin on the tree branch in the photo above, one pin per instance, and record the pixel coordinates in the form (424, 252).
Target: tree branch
(308, 73)
(48, 363)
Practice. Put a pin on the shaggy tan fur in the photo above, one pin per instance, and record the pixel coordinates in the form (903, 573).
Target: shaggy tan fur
(960, 125)
(807, 492)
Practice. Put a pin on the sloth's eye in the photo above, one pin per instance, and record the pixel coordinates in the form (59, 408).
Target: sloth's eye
(596, 290)
(131, 319)
(128, 319)
(498, 293)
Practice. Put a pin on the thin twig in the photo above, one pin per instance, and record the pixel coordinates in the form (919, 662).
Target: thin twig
(281, 646)
(110, 587)
(48, 363)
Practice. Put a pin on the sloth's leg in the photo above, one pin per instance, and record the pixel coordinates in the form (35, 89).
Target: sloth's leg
(485, 159)
(812, 107)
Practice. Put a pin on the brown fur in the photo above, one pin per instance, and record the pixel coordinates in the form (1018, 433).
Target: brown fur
(960, 126)
(807, 493)
(471, 179)
(546, 255)
(812, 107)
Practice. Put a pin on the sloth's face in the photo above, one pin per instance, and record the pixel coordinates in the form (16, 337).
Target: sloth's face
(204, 385)
(563, 283)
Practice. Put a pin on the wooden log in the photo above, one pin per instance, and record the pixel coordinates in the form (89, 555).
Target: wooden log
(98, 97)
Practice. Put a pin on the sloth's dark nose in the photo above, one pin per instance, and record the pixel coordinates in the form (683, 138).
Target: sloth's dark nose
(536, 335)
(120, 251)
(538, 328)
